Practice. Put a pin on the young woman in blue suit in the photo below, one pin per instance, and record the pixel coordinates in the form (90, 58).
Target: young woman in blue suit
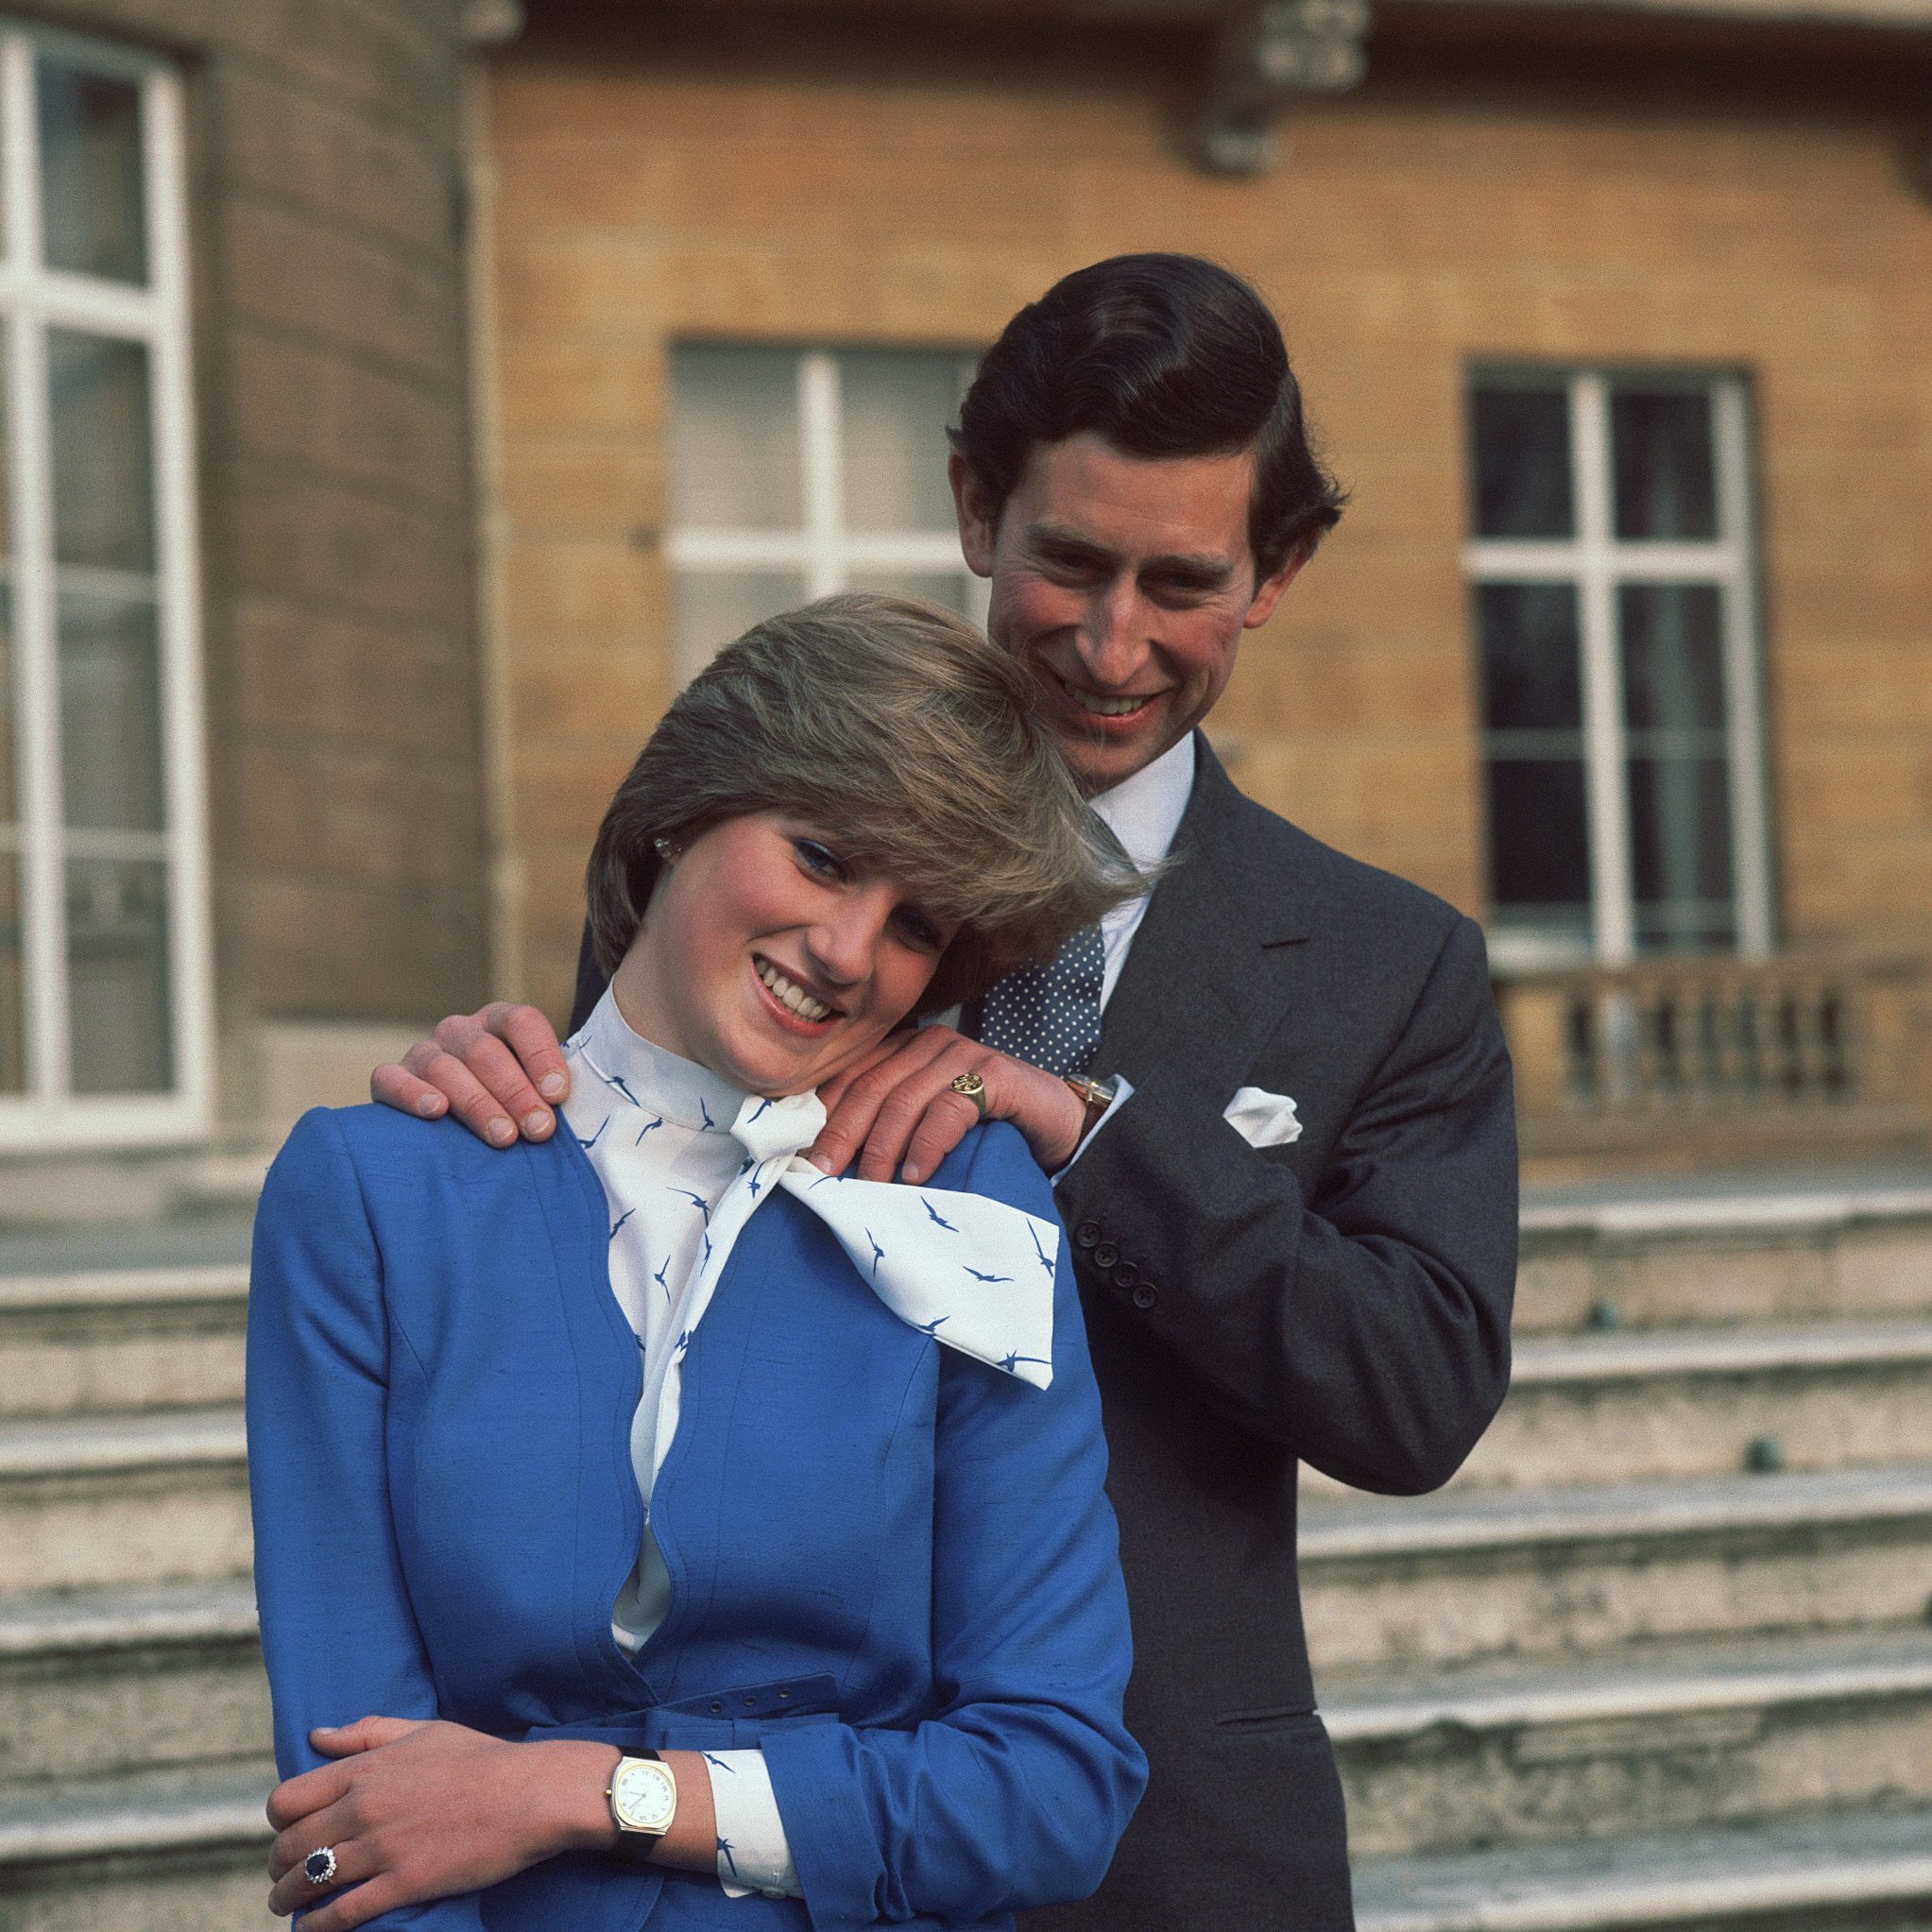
(672, 1533)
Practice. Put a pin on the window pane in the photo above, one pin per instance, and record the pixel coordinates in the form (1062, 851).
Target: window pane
(945, 588)
(735, 439)
(1522, 461)
(117, 973)
(91, 203)
(894, 410)
(103, 450)
(1665, 484)
(12, 979)
(110, 767)
(1530, 657)
(1673, 656)
(1680, 835)
(714, 606)
(1539, 848)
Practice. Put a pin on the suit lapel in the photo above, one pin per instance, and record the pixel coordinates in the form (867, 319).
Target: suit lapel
(1215, 957)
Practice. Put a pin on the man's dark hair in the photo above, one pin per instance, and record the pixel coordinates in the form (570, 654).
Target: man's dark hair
(1158, 355)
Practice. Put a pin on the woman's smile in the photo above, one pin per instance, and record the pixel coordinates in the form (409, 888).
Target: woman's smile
(769, 956)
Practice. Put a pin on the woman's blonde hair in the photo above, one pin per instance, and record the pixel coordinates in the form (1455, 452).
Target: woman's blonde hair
(914, 741)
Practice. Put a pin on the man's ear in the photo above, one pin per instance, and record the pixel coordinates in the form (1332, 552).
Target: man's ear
(979, 521)
(1267, 592)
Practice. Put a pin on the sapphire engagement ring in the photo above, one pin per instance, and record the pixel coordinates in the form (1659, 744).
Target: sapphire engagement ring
(318, 1867)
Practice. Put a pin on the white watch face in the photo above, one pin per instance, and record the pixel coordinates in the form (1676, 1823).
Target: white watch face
(644, 1795)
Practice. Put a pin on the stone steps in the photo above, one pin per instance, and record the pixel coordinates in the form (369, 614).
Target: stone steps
(1635, 1406)
(107, 1682)
(121, 1341)
(1857, 1872)
(1686, 1737)
(1802, 1253)
(123, 1500)
(173, 1852)
(1464, 1576)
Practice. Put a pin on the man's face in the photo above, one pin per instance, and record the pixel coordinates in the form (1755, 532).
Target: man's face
(1124, 583)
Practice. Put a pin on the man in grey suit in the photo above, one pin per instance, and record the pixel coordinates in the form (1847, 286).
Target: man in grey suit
(1273, 1094)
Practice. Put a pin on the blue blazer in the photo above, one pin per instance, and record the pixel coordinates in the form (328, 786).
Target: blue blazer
(892, 1567)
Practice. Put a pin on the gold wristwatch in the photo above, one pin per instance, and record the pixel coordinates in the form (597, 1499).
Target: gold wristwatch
(1097, 1095)
(644, 1802)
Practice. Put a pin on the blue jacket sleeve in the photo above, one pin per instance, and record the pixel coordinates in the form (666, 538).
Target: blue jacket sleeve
(337, 1632)
(1015, 1794)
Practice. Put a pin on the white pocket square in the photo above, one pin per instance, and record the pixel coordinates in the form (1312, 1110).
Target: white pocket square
(1263, 1119)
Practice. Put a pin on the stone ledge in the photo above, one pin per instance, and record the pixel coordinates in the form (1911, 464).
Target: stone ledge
(1787, 1869)
(113, 1444)
(1677, 1679)
(1501, 1519)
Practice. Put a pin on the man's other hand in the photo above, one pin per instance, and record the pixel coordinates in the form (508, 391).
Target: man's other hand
(895, 1107)
(501, 1070)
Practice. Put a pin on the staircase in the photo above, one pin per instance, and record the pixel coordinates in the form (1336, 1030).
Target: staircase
(133, 1714)
(1660, 1657)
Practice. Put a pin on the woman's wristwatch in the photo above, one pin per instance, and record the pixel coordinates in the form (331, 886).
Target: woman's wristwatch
(644, 1802)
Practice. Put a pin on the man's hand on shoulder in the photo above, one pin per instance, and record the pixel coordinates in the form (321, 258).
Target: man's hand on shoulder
(501, 1070)
(896, 1109)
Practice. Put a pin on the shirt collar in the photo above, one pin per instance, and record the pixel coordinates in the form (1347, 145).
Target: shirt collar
(679, 1089)
(1144, 811)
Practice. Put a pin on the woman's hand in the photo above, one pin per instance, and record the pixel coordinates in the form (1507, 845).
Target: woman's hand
(419, 1810)
(896, 1102)
(501, 1069)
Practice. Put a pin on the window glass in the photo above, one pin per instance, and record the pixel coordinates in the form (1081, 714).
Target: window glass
(13, 979)
(714, 606)
(735, 437)
(1522, 461)
(1673, 656)
(1531, 668)
(894, 410)
(949, 589)
(103, 450)
(92, 217)
(1621, 737)
(117, 975)
(110, 754)
(1539, 842)
(1666, 477)
(1680, 829)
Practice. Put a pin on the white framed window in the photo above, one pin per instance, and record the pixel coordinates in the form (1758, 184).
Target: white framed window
(797, 472)
(1614, 584)
(104, 952)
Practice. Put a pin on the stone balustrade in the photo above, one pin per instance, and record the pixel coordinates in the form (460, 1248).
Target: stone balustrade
(1703, 1060)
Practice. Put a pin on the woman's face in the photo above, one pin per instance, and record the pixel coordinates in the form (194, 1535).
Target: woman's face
(771, 958)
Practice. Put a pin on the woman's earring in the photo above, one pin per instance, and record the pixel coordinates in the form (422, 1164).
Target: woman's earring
(664, 849)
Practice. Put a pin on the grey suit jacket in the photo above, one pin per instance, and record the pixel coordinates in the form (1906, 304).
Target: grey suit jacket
(1342, 1300)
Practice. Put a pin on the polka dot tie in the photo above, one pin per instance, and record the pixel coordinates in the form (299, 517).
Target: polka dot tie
(1050, 1014)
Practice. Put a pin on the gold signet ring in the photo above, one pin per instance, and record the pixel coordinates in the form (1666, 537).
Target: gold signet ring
(974, 1088)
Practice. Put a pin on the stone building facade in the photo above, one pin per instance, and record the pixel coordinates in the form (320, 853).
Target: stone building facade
(304, 451)
(1588, 220)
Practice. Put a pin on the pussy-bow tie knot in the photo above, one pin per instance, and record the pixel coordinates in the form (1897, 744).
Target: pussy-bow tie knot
(973, 1273)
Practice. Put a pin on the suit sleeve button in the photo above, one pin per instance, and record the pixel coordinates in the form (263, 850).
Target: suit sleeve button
(1086, 1234)
(1105, 1255)
(1145, 1295)
(1126, 1274)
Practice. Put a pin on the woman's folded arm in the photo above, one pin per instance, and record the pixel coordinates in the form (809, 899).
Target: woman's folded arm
(337, 1633)
(1015, 1793)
